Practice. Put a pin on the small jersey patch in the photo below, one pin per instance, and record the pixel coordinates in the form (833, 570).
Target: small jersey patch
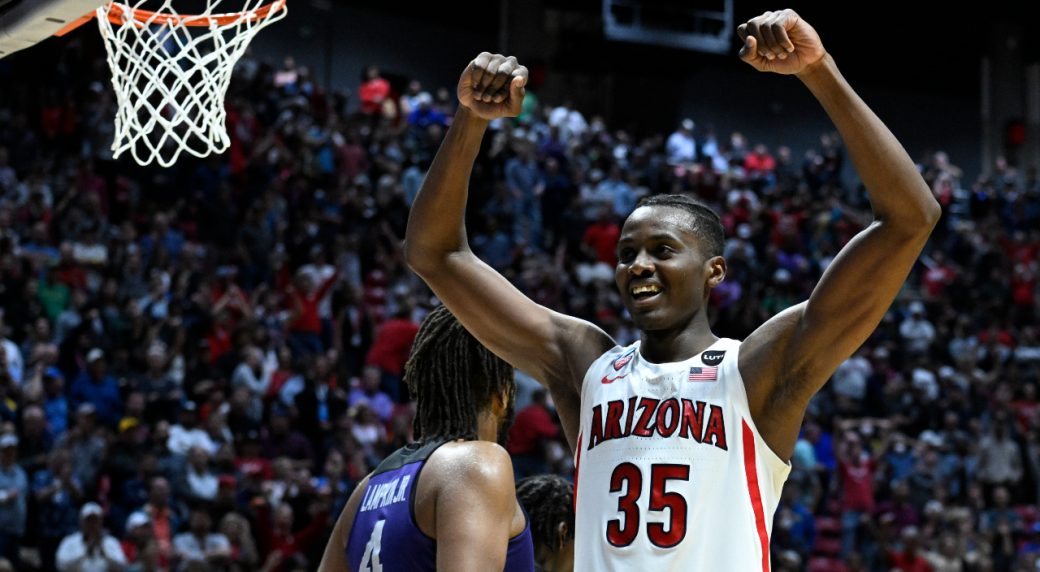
(623, 360)
(712, 357)
(704, 373)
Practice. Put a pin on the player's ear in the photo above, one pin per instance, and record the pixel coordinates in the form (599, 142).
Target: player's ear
(500, 402)
(561, 535)
(715, 271)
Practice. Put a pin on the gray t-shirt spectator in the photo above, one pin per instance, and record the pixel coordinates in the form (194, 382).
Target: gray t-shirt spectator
(14, 487)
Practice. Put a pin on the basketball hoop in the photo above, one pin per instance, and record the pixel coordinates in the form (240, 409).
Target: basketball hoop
(171, 73)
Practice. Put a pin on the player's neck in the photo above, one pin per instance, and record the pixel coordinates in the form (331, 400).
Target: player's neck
(488, 426)
(664, 346)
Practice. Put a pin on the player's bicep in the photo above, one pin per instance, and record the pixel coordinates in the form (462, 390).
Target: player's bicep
(852, 296)
(801, 347)
(474, 515)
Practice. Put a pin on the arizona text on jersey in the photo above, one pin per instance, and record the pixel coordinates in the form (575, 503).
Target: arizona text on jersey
(671, 471)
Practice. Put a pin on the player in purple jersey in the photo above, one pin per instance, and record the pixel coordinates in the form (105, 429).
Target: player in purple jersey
(446, 502)
(549, 503)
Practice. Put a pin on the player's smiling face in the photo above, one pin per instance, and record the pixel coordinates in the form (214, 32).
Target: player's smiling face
(663, 274)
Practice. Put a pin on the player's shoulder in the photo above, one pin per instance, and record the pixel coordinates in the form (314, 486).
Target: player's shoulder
(480, 464)
(467, 452)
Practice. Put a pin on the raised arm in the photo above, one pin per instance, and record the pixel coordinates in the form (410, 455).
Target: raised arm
(790, 357)
(551, 347)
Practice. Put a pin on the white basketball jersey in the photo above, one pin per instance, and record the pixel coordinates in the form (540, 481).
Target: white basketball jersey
(671, 471)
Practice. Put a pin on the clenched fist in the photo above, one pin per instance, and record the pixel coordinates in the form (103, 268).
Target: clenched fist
(492, 86)
(780, 42)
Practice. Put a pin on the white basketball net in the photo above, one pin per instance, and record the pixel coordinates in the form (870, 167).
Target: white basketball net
(170, 78)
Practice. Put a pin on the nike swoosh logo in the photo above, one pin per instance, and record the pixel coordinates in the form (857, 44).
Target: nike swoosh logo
(606, 379)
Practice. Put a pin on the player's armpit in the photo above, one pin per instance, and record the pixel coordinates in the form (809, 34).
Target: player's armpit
(475, 509)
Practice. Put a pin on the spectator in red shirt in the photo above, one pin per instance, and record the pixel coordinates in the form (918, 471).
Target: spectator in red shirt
(305, 323)
(533, 426)
(283, 549)
(759, 164)
(856, 471)
(390, 350)
(937, 277)
(138, 537)
(603, 236)
(908, 559)
(373, 92)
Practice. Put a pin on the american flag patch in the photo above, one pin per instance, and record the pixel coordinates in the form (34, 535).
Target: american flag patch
(706, 373)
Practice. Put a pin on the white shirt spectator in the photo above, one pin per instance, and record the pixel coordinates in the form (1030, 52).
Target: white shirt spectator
(1000, 460)
(245, 376)
(202, 485)
(850, 379)
(925, 380)
(681, 147)
(74, 556)
(319, 274)
(182, 440)
(94, 254)
(918, 333)
(15, 364)
(571, 123)
(719, 162)
(189, 548)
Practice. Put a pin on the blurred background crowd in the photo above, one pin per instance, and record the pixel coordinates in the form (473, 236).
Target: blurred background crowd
(200, 363)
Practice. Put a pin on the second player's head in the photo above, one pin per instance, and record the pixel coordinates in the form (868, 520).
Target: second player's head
(669, 259)
(549, 502)
(456, 381)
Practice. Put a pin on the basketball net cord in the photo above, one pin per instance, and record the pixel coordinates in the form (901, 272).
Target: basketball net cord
(171, 72)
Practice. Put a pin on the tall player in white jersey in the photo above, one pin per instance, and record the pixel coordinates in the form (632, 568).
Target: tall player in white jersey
(682, 438)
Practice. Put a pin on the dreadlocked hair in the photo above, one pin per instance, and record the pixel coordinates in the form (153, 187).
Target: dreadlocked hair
(706, 222)
(453, 378)
(548, 500)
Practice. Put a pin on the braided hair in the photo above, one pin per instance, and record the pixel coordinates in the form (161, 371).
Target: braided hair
(706, 222)
(453, 378)
(548, 500)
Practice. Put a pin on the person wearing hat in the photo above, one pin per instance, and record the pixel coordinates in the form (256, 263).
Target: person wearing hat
(97, 387)
(91, 549)
(13, 489)
(138, 536)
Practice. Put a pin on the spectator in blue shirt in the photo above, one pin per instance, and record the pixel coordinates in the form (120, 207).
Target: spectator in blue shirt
(95, 386)
(424, 114)
(14, 487)
(57, 492)
(55, 405)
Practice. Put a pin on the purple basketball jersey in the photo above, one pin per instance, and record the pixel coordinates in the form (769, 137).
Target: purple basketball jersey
(384, 535)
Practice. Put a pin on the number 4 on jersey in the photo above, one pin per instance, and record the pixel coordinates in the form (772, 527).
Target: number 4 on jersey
(629, 477)
(370, 561)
